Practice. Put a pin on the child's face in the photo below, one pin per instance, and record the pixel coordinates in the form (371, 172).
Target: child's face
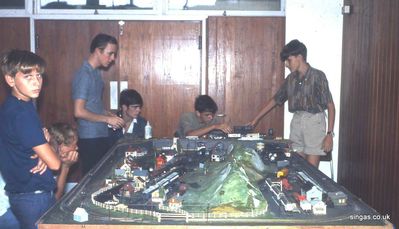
(25, 86)
(108, 55)
(65, 149)
(132, 111)
(293, 63)
(206, 116)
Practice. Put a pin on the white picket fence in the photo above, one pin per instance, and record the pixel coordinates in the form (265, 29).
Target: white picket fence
(174, 213)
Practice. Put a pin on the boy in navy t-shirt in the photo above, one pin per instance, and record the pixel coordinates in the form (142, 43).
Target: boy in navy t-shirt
(25, 153)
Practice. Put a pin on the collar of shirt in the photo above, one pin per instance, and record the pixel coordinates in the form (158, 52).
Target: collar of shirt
(131, 127)
(300, 79)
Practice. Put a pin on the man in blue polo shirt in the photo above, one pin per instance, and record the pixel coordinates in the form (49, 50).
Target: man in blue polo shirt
(87, 89)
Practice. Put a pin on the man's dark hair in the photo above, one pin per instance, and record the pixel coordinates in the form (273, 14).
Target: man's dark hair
(23, 61)
(130, 97)
(293, 48)
(101, 40)
(204, 103)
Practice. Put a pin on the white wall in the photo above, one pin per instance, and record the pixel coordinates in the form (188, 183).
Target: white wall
(318, 24)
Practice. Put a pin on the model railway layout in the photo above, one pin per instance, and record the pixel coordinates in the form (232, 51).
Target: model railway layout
(197, 181)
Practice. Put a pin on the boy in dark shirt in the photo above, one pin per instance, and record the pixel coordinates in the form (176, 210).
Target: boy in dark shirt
(25, 153)
(130, 103)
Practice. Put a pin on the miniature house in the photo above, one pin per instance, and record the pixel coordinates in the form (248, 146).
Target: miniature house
(140, 178)
(80, 215)
(314, 194)
(319, 207)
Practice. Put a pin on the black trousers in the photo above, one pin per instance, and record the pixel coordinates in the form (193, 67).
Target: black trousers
(91, 150)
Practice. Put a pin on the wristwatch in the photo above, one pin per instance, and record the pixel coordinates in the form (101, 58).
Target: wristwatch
(330, 133)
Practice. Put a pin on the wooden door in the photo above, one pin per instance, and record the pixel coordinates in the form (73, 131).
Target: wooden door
(14, 35)
(369, 109)
(244, 68)
(65, 45)
(162, 61)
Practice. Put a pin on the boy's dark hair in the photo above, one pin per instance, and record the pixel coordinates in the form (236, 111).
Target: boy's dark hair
(23, 61)
(204, 103)
(293, 48)
(130, 97)
(62, 133)
(101, 40)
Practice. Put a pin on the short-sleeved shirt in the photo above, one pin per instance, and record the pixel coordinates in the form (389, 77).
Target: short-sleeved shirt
(88, 85)
(189, 122)
(310, 93)
(20, 131)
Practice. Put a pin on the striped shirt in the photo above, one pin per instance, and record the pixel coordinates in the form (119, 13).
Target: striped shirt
(309, 93)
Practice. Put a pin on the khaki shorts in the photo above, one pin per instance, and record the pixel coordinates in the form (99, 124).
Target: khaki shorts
(307, 132)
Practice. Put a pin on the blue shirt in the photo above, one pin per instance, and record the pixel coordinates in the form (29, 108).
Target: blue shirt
(20, 131)
(88, 85)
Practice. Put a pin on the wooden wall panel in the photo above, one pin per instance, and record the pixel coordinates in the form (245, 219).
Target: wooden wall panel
(369, 123)
(162, 61)
(244, 68)
(65, 45)
(12, 38)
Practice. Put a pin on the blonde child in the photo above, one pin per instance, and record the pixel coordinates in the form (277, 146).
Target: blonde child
(25, 153)
(63, 139)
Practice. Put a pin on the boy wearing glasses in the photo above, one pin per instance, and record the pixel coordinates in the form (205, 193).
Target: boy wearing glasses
(130, 103)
